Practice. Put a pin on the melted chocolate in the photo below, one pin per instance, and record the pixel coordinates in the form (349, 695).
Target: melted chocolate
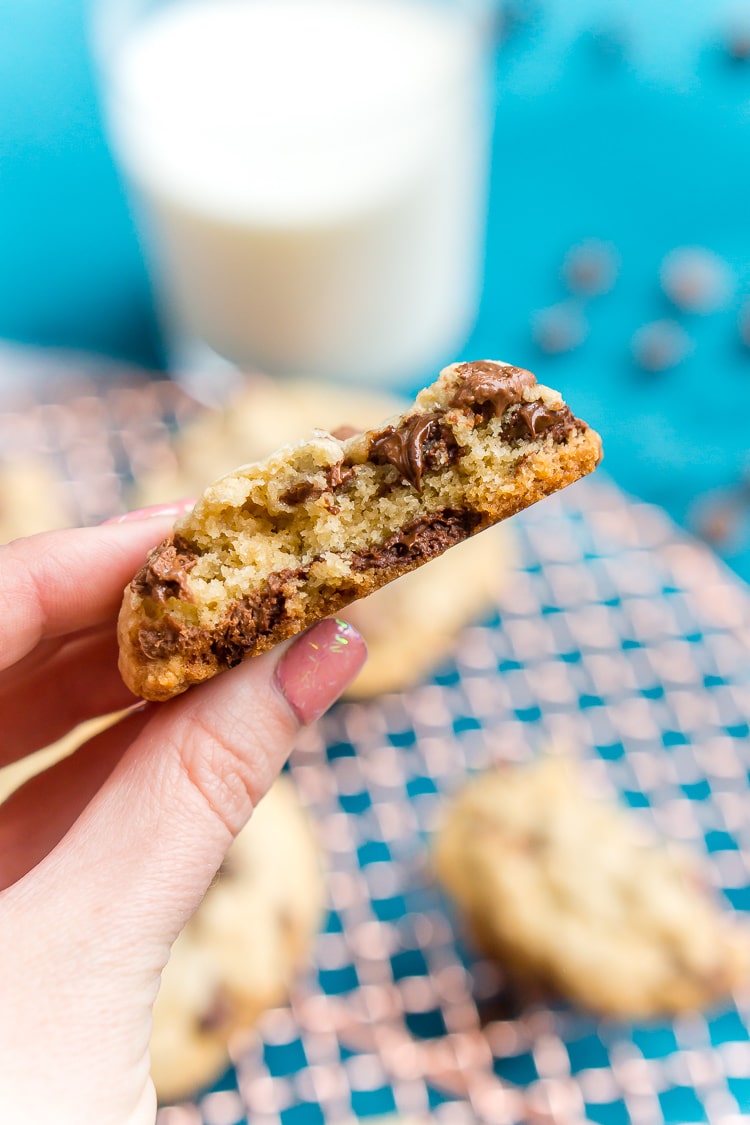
(339, 473)
(422, 441)
(298, 493)
(235, 638)
(168, 638)
(420, 540)
(495, 386)
(534, 418)
(336, 476)
(165, 574)
(255, 616)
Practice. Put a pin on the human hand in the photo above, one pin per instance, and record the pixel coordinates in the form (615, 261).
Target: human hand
(104, 857)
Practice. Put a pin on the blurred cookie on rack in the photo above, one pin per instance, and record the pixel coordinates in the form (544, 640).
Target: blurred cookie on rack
(31, 498)
(240, 951)
(409, 625)
(566, 892)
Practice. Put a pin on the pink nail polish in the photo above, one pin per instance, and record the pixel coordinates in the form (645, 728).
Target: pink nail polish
(322, 662)
(178, 508)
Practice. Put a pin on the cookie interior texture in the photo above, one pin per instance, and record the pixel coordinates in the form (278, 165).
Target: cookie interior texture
(410, 625)
(277, 545)
(568, 894)
(239, 953)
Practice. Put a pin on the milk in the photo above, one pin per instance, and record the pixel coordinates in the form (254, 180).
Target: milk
(311, 179)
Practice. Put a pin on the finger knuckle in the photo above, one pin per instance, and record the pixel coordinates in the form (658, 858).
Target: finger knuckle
(230, 769)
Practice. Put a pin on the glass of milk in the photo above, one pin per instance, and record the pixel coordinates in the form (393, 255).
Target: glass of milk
(309, 177)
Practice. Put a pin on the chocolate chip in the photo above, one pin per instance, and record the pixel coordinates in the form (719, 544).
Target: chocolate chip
(696, 279)
(298, 493)
(255, 616)
(494, 385)
(590, 268)
(339, 473)
(168, 638)
(534, 418)
(420, 540)
(421, 441)
(660, 345)
(559, 328)
(165, 574)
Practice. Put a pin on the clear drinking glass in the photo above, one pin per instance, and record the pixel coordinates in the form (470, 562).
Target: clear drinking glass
(309, 177)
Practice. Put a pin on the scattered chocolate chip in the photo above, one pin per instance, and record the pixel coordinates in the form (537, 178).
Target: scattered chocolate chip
(590, 269)
(660, 345)
(559, 328)
(514, 18)
(737, 38)
(696, 280)
(718, 526)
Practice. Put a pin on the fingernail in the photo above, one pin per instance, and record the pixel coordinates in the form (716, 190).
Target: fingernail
(319, 665)
(178, 508)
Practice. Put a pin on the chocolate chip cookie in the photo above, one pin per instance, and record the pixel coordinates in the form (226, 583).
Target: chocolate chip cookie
(275, 546)
(566, 892)
(239, 953)
(410, 625)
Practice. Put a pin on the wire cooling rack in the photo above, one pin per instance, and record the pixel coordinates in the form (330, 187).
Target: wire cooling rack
(618, 639)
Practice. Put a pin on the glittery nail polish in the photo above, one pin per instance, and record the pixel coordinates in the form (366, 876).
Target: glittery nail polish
(319, 665)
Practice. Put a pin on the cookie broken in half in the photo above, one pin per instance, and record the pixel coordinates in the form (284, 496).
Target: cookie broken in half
(275, 546)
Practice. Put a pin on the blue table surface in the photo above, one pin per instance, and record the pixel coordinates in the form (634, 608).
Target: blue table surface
(644, 145)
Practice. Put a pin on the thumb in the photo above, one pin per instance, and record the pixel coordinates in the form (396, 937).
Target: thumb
(89, 929)
(159, 828)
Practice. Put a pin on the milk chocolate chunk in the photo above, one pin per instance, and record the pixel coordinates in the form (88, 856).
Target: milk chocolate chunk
(339, 473)
(336, 476)
(167, 638)
(492, 385)
(422, 539)
(534, 419)
(166, 571)
(422, 441)
(298, 493)
(254, 617)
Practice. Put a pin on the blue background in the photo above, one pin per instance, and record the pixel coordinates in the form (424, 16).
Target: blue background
(621, 121)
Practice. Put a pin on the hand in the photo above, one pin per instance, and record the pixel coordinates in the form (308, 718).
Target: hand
(104, 857)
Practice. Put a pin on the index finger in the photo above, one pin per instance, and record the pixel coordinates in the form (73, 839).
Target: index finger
(60, 582)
